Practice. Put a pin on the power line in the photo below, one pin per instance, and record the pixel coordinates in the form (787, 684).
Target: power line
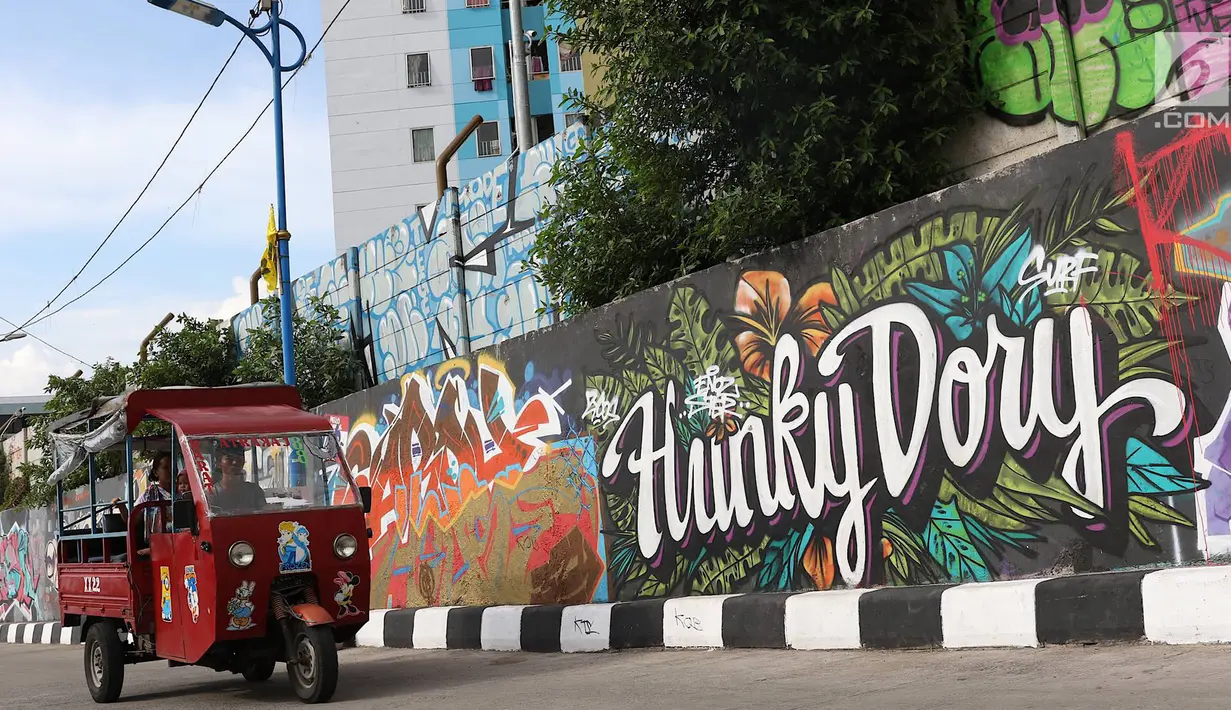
(70, 356)
(201, 186)
(161, 165)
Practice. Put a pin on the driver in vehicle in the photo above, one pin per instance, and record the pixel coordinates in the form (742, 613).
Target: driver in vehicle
(233, 491)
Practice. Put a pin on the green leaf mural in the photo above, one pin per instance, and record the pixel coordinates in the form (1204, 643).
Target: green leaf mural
(1121, 294)
(720, 574)
(699, 336)
(950, 544)
(782, 560)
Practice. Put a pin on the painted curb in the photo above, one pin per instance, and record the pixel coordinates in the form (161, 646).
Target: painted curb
(1168, 606)
(1173, 606)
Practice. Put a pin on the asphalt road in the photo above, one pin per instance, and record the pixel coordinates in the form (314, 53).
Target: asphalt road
(1122, 677)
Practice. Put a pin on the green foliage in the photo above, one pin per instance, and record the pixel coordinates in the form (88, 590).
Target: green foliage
(198, 353)
(325, 366)
(731, 127)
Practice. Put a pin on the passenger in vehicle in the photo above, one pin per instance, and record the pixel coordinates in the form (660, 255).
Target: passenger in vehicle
(233, 491)
(157, 488)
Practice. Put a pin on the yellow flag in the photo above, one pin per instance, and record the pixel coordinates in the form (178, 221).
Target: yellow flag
(269, 260)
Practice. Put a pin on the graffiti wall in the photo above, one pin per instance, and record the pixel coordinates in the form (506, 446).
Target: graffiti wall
(27, 566)
(401, 292)
(1019, 375)
(1089, 61)
(484, 486)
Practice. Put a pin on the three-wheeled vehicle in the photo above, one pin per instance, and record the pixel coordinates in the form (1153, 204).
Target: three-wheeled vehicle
(247, 547)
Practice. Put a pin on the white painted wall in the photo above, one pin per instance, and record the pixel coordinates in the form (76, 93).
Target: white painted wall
(376, 182)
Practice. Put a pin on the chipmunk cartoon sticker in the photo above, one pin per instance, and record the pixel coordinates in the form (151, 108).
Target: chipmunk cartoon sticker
(240, 607)
(294, 553)
(346, 581)
(190, 584)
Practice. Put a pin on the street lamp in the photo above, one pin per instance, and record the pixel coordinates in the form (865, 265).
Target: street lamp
(12, 336)
(211, 15)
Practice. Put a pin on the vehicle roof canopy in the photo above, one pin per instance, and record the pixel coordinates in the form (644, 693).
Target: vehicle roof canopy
(259, 409)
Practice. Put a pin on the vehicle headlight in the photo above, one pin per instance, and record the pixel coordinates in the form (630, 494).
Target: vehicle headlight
(241, 554)
(345, 546)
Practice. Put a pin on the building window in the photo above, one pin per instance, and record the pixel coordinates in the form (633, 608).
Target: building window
(544, 127)
(571, 118)
(418, 70)
(412, 6)
(524, 3)
(537, 59)
(482, 63)
(488, 137)
(570, 59)
(478, 3)
(423, 144)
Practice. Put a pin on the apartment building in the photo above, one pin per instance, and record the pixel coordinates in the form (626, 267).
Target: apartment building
(403, 77)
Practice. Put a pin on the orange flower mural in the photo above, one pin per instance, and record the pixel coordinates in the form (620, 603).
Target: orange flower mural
(763, 307)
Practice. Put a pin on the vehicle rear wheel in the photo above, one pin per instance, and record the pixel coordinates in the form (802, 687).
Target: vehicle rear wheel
(259, 670)
(314, 666)
(104, 661)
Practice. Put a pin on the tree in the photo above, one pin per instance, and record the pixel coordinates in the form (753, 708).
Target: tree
(200, 353)
(325, 365)
(727, 127)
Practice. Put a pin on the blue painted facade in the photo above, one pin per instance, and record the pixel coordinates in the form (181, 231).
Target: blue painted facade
(489, 26)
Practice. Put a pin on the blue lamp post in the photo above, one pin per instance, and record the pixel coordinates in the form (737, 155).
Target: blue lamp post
(211, 15)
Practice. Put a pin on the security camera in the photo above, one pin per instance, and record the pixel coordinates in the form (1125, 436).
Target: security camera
(531, 34)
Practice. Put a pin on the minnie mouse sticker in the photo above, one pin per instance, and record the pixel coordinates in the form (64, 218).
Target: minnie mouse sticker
(346, 581)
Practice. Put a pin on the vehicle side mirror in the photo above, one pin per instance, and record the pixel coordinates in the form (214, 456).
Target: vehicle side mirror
(365, 495)
(184, 516)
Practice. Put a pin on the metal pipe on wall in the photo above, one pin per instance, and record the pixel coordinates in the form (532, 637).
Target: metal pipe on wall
(254, 291)
(442, 160)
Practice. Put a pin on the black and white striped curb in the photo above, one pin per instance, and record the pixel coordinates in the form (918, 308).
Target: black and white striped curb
(1171, 606)
(49, 632)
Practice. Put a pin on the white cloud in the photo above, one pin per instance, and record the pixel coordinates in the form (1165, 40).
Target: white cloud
(25, 365)
(240, 298)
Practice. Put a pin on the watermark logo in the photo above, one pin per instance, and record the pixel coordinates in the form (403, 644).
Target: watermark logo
(1191, 69)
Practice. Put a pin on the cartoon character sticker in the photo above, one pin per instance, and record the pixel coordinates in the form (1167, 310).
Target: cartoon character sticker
(164, 574)
(240, 607)
(190, 584)
(346, 581)
(294, 554)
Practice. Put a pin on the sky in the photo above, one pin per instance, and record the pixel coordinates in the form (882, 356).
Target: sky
(92, 95)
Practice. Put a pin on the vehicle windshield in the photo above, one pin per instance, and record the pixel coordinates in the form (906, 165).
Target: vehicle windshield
(251, 474)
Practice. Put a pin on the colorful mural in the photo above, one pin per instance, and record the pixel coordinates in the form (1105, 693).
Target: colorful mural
(1087, 61)
(969, 387)
(483, 487)
(27, 571)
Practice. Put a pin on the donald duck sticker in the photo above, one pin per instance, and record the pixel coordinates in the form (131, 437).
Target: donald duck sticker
(164, 575)
(294, 554)
(190, 584)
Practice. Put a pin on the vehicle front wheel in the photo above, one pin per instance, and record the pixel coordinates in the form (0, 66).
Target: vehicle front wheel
(104, 662)
(259, 670)
(314, 667)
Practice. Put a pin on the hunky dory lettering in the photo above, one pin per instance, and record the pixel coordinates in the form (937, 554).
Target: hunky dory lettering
(890, 395)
